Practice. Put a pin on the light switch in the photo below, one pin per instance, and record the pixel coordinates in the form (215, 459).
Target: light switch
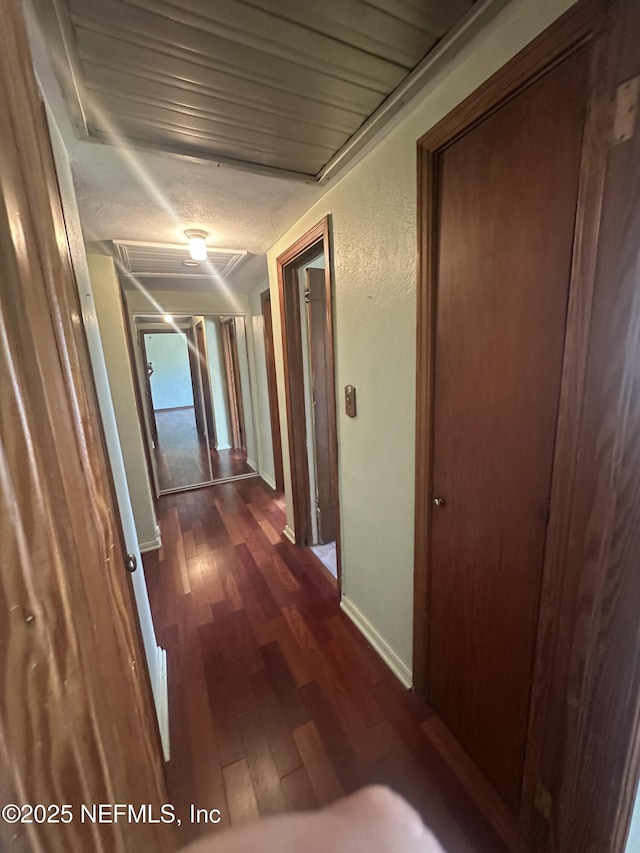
(350, 400)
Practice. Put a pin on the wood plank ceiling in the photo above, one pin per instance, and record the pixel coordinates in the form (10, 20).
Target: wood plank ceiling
(271, 84)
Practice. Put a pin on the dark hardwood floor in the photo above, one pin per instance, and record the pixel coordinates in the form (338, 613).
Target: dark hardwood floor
(276, 701)
(181, 454)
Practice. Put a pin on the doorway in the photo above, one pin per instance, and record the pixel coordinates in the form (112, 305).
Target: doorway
(194, 379)
(180, 431)
(304, 277)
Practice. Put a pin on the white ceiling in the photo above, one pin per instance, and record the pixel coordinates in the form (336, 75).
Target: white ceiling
(135, 194)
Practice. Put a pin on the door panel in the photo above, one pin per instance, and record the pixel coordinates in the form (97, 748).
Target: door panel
(230, 351)
(321, 387)
(507, 200)
(76, 717)
(205, 380)
(194, 369)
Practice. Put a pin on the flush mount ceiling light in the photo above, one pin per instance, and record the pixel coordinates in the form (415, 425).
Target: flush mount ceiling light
(197, 245)
(189, 262)
(168, 318)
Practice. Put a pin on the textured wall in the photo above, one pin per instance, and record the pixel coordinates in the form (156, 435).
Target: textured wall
(106, 289)
(373, 211)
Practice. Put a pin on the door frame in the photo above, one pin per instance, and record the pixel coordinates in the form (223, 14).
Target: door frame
(272, 388)
(585, 23)
(316, 239)
(234, 389)
(205, 378)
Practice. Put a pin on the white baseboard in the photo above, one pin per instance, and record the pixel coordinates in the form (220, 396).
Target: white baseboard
(252, 464)
(290, 535)
(223, 447)
(162, 702)
(153, 544)
(268, 480)
(398, 667)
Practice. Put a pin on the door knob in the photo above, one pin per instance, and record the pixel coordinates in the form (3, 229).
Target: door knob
(438, 501)
(131, 563)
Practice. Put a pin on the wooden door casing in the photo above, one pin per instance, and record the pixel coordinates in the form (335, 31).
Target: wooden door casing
(76, 717)
(196, 387)
(307, 247)
(147, 388)
(322, 386)
(547, 814)
(234, 390)
(205, 380)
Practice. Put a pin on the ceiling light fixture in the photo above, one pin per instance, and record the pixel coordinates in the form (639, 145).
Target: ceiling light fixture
(197, 245)
(189, 262)
(168, 318)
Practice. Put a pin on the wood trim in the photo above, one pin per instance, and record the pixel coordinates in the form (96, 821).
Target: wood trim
(305, 247)
(205, 379)
(581, 288)
(142, 376)
(196, 390)
(272, 388)
(236, 409)
(581, 24)
(573, 28)
(77, 721)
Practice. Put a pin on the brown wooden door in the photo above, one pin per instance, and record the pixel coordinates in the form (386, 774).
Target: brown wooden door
(321, 387)
(76, 717)
(506, 208)
(147, 367)
(194, 369)
(234, 389)
(205, 380)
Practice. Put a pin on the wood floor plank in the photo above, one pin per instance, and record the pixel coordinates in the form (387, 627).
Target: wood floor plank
(243, 806)
(283, 747)
(264, 774)
(299, 791)
(276, 701)
(324, 780)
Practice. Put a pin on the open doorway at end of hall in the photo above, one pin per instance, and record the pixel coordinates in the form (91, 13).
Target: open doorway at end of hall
(307, 324)
(179, 446)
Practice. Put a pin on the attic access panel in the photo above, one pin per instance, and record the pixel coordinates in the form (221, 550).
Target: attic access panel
(168, 260)
(271, 85)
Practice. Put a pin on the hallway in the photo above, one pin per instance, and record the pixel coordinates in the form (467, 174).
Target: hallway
(276, 701)
(181, 454)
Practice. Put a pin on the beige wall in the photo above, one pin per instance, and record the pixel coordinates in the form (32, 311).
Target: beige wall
(373, 211)
(106, 290)
(258, 364)
(186, 302)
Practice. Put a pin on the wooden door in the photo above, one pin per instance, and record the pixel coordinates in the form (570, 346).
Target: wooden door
(76, 718)
(272, 387)
(194, 369)
(205, 380)
(321, 387)
(506, 212)
(146, 367)
(234, 389)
